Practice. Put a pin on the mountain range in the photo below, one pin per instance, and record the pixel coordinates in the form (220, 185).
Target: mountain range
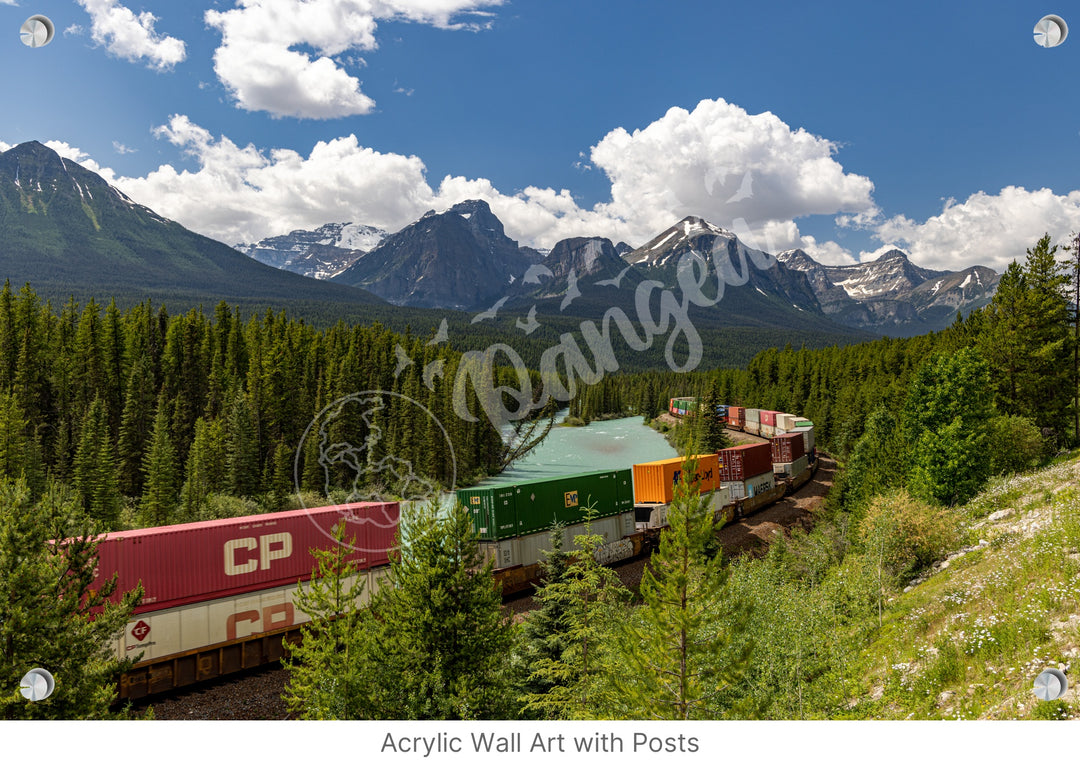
(65, 230)
(462, 259)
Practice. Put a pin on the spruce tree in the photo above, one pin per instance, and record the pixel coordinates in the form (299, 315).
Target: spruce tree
(95, 469)
(162, 473)
(442, 643)
(328, 678)
(46, 621)
(584, 603)
(676, 656)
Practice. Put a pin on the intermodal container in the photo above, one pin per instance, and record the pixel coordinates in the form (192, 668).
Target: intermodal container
(752, 427)
(736, 415)
(740, 463)
(808, 436)
(792, 469)
(802, 422)
(756, 485)
(519, 508)
(767, 431)
(785, 421)
(189, 563)
(768, 417)
(752, 415)
(530, 549)
(786, 447)
(655, 482)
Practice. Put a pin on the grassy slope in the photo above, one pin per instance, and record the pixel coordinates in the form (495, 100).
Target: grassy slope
(968, 640)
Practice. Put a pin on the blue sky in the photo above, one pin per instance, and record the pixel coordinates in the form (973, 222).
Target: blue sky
(839, 128)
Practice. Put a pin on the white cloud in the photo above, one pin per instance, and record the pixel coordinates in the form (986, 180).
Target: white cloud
(721, 163)
(130, 36)
(752, 174)
(258, 61)
(987, 229)
(122, 149)
(241, 194)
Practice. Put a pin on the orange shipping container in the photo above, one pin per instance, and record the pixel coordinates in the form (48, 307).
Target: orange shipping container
(655, 482)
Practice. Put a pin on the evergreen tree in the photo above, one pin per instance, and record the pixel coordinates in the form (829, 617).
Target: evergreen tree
(327, 676)
(242, 443)
(136, 425)
(95, 469)
(206, 470)
(946, 421)
(441, 645)
(582, 604)
(162, 473)
(45, 621)
(675, 657)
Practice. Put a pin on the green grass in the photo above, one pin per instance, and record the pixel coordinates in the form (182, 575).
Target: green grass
(968, 641)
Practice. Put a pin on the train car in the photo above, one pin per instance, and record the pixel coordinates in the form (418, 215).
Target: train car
(219, 596)
(519, 508)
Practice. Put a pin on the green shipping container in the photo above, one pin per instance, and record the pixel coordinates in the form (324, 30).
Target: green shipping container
(521, 508)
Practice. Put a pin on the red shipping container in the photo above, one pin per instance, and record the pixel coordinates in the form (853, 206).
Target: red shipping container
(181, 564)
(788, 447)
(768, 417)
(736, 415)
(738, 464)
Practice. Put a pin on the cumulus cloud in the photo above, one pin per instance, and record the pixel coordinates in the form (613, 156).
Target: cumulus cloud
(239, 194)
(752, 174)
(259, 63)
(987, 229)
(130, 36)
(722, 163)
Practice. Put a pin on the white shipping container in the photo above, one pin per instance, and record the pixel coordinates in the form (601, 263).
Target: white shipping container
(768, 431)
(808, 436)
(752, 427)
(792, 469)
(158, 634)
(759, 484)
(753, 415)
(785, 422)
(737, 490)
(529, 549)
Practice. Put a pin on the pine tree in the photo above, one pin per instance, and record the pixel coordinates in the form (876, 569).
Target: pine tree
(242, 443)
(206, 470)
(136, 425)
(546, 629)
(46, 620)
(328, 677)
(162, 473)
(584, 601)
(442, 643)
(676, 657)
(94, 469)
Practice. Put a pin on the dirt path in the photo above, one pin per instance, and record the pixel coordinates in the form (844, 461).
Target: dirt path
(753, 533)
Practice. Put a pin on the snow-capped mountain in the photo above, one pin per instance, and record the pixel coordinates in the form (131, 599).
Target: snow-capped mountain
(321, 253)
(892, 294)
(660, 257)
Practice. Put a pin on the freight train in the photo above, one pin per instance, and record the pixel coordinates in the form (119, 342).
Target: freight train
(220, 596)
